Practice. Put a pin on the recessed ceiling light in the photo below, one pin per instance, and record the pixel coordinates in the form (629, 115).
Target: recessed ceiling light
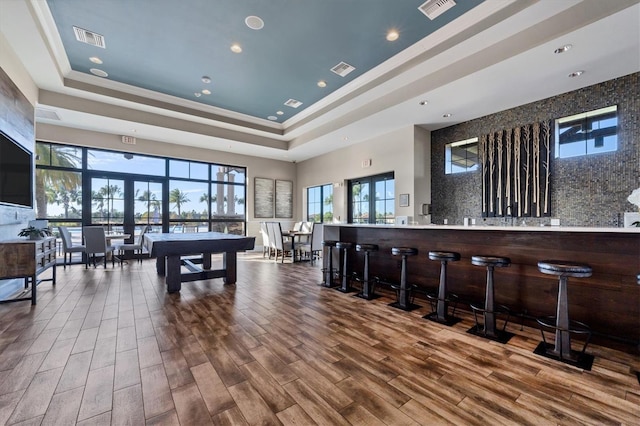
(197, 94)
(272, 117)
(392, 35)
(95, 60)
(98, 72)
(576, 73)
(447, 115)
(206, 80)
(206, 92)
(346, 138)
(280, 113)
(322, 83)
(254, 22)
(563, 49)
(424, 102)
(235, 48)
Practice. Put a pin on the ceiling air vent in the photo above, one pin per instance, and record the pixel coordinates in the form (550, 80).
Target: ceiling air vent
(128, 140)
(86, 36)
(293, 103)
(342, 69)
(435, 8)
(47, 114)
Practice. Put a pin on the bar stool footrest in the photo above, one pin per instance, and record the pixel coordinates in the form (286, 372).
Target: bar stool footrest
(578, 359)
(334, 275)
(501, 335)
(412, 291)
(452, 300)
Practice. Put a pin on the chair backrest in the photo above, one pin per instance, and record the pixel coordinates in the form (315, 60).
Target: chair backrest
(317, 236)
(271, 233)
(94, 239)
(66, 237)
(297, 226)
(265, 234)
(277, 235)
(306, 226)
(143, 230)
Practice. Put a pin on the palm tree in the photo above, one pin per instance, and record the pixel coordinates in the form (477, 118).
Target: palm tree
(60, 157)
(150, 199)
(110, 192)
(177, 197)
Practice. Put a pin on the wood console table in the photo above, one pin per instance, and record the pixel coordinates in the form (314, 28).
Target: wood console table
(27, 259)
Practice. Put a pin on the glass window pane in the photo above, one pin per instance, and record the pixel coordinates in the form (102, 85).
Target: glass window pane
(188, 200)
(221, 173)
(148, 203)
(227, 201)
(179, 169)
(58, 155)
(58, 194)
(107, 201)
(461, 156)
(121, 162)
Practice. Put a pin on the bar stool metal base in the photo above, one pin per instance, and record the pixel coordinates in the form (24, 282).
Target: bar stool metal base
(500, 336)
(363, 296)
(577, 358)
(408, 308)
(449, 320)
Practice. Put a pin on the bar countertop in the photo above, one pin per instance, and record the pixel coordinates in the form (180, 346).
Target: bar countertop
(629, 230)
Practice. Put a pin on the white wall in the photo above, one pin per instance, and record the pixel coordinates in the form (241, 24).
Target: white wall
(256, 166)
(404, 151)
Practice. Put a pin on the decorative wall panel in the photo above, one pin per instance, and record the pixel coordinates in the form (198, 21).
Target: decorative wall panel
(284, 199)
(263, 198)
(515, 171)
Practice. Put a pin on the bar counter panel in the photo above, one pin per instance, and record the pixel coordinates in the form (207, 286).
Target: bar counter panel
(608, 301)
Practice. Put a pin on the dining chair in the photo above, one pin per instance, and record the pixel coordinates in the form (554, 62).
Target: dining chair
(68, 246)
(95, 242)
(282, 247)
(272, 238)
(136, 247)
(314, 247)
(266, 248)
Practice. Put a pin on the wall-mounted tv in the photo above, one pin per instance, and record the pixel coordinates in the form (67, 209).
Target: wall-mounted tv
(16, 173)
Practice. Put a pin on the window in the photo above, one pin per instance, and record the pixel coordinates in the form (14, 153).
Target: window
(372, 199)
(587, 133)
(461, 156)
(320, 203)
(76, 186)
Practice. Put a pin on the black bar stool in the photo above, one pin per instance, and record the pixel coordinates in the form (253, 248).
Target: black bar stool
(488, 329)
(368, 287)
(344, 247)
(440, 313)
(404, 291)
(560, 323)
(328, 272)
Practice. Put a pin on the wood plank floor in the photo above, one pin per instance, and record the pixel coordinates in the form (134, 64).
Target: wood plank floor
(110, 346)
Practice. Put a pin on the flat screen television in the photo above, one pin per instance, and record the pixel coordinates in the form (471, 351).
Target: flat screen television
(16, 173)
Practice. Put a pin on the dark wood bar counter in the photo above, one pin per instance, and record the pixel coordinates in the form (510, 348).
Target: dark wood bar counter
(608, 301)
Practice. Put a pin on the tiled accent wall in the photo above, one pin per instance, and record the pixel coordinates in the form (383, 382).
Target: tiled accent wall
(585, 191)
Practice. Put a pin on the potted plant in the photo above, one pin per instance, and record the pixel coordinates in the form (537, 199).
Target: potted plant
(34, 233)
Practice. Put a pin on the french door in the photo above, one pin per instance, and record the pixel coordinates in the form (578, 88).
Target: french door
(125, 204)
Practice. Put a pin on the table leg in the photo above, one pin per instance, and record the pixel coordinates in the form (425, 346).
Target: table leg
(229, 263)
(206, 260)
(160, 265)
(173, 276)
